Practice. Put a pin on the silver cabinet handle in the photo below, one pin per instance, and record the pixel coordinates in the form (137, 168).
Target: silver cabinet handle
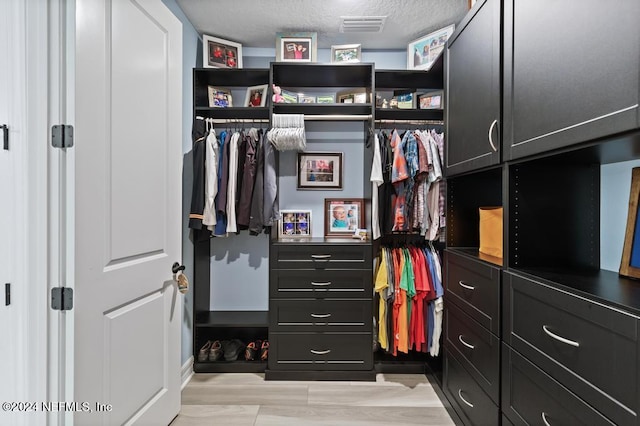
(463, 285)
(544, 419)
(319, 284)
(320, 315)
(491, 137)
(465, 343)
(321, 256)
(464, 400)
(313, 351)
(560, 339)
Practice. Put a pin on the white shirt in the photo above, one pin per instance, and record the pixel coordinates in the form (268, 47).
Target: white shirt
(376, 180)
(211, 180)
(232, 183)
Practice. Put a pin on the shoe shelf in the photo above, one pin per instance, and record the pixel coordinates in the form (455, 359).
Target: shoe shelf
(232, 319)
(230, 366)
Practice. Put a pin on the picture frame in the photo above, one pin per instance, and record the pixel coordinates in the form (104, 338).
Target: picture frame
(346, 53)
(353, 96)
(297, 47)
(319, 170)
(326, 99)
(423, 52)
(306, 99)
(431, 100)
(289, 96)
(220, 53)
(219, 97)
(256, 96)
(630, 261)
(343, 216)
(294, 224)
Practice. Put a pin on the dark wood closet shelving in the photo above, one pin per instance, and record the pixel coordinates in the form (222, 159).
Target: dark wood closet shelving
(409, 114)
(232, 319)
(323, 109)
(235, 113)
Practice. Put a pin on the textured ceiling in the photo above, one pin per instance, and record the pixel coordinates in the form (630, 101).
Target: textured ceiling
(255, 23)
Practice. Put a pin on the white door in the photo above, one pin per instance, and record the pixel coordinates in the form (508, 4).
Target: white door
(128, 128)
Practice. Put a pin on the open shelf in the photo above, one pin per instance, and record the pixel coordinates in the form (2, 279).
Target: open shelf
(322, 75)
(474, 253)
(409, 79)
(324, 109)
(409, 114)
(228, 78)
(241, 113)
(232, 319)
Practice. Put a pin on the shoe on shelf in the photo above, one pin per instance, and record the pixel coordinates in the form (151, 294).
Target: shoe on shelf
(264, 350)
(215, 353)
(232, 349)
(252, 351)
(203, 354)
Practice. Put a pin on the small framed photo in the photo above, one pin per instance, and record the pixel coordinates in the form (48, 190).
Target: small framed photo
(306, 99)
(289, 97)
(346, 53)
(294, 224)
(352, 96)
(326, 99)
(431, 100)
(296, 47)
(406, 101)
(219, 97)
(319, 170)
(256, 96)
(423, 52)
(220, 53)
(343, 216)
(630, 260)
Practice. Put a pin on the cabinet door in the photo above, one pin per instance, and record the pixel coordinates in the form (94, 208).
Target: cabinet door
(571, 73)
(473, 91)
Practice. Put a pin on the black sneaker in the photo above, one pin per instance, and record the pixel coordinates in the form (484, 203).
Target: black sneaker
(232, 349)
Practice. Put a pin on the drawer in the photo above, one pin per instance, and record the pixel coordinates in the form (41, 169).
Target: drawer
(324, 351)
(473, 405)
(320, 283)
(476, 347)
(590, 348)
(320, 256)
(475, 287)
(321, 315)
(530, 396)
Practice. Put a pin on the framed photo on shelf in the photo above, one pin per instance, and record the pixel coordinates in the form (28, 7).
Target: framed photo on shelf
(343, 216)
(289, 97)
(431, 100)
(319, 170)
(346, 53)
(294, 224)
(326, 99)
(423, 52)
(220, 53)
(352, 96)
(256, 96)
(306, 99)
(630, 262)
(296, 47)
(219, 97)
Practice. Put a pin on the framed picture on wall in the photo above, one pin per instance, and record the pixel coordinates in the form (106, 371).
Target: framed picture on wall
(220, 53)
(294, 224)
(423, 52)
(342, 217)
(630, 262)
(296, 47)
(319, 170)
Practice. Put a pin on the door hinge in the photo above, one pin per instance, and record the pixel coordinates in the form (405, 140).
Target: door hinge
(5, 136)
(7, 294)
(62, 136)
(62, 298)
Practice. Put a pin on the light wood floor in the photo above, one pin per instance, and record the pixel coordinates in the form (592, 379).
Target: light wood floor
(247, 399)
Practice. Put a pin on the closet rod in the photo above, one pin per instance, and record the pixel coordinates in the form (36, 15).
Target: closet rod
(337, 117)
(434, 122)
(231, 120)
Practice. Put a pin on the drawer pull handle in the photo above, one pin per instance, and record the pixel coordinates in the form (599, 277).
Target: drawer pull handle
(559, 338)
(491, 136)
(467, 286)
(464, 400)
(318, 284)
(321, 256)
(465, 343)
(544, 419)
(313, 351)
(320, 315)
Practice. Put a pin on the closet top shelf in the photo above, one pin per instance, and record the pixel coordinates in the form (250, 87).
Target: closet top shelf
(286, 74)
(412, 79)
(230, 77)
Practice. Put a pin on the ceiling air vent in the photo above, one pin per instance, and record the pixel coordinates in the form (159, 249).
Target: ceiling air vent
(362, 24)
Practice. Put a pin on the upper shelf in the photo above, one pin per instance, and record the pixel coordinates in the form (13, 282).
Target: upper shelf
(322, 75)
(227, 78)
(241, 113)
(409, 114)
(323, 109)
(410, 80)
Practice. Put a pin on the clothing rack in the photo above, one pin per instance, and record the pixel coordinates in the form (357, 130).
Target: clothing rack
(412, 122)
(338, 117)
(234, 120)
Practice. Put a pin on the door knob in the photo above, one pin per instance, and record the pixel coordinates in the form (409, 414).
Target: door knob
(176, 267)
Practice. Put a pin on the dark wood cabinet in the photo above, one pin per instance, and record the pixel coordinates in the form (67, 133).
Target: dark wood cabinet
(568, 78)
(473, 91)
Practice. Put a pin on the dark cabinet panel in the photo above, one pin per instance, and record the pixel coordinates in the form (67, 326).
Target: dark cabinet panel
(320, 315)
(588, 347)
(320, 284)
(530, 396)
(320, 256)
(475, 287)
(470, 401)
(473, 91)
(320, 351)
(567, 77)
(476, 347)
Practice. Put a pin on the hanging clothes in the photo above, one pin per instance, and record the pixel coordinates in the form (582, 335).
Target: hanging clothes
(198, 134)
(256, 220)
(220, 229)
(232, 184)
(376, 180)
(270, 200)
(248, 177)
(211, 186)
